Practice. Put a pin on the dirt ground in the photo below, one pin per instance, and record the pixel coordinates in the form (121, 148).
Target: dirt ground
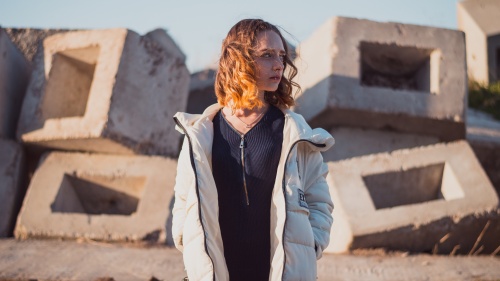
(90, 260)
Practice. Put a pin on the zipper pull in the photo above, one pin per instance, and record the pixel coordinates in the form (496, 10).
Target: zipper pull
(242, 143)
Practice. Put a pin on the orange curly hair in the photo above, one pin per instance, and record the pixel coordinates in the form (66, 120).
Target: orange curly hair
(236, 80)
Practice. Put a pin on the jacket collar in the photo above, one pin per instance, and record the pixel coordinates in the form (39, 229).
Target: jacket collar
(295, 123)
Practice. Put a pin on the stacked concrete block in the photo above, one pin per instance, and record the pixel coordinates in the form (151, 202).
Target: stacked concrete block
(393, 95)
(483, 134)
(201, 91)
(480, 20)
(376, 75)
(28, 40)
(102, 197)
(14, 78)
(410, 199)
(109, 91)
(354, 142)
(11, 184)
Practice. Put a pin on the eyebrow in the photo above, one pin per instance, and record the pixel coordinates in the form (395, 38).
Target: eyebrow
(267, 49)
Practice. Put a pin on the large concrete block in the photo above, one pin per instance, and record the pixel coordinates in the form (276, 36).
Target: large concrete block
(412, 199)
(28, 40)
(103, 197)
(107, 91)
(201, 91)
(483, 135)
(384, 75)
(353, 142)
(15, 72)
(480, 20)
(11, 184)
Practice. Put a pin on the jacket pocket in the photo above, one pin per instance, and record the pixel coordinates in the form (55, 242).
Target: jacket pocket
(298, 227)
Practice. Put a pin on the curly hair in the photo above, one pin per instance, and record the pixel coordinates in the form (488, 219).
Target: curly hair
(236, 77)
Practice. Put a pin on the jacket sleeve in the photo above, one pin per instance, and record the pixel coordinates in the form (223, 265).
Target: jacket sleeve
(182, 182)
(318, 198)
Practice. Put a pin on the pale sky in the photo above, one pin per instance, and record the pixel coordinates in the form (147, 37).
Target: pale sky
(199, 27)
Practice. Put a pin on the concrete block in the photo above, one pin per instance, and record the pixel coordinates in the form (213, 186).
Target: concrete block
(378, 75)
(11, 184)
(102, 197)
(410, 199)
(353, 142)
(480, 20)
(15, 72)
(201, 91)
(483, 135)
(27, 40)
(109, 91)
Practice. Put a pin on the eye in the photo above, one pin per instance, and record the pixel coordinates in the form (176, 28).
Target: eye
(282, 57)
(266, 55)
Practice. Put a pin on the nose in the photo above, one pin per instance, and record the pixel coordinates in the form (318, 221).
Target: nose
(278, 65)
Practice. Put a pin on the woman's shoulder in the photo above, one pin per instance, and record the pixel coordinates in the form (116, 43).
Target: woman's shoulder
(188, 119)
(298, 126)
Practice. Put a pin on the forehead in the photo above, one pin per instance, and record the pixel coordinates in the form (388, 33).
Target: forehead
(269, 39)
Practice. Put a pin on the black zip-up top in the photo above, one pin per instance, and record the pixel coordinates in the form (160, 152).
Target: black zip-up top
(244, 168)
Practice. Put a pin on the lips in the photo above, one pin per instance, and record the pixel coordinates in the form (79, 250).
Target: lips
(276, 78)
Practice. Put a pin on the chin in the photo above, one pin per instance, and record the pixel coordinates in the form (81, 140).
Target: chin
(271, 89)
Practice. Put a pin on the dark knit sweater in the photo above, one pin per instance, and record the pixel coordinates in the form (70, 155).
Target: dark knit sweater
(245, 224)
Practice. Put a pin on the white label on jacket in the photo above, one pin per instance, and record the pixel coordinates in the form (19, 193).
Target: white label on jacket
(302, 199)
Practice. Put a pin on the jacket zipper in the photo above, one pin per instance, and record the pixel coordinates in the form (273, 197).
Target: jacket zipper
(197, 193)
(242, 158)
(284, 194)
(242, 147)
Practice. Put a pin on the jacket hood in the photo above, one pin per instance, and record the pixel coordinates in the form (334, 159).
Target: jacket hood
(188, 120)
(299, 129)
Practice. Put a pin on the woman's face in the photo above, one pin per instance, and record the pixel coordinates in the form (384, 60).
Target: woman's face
(269, 59)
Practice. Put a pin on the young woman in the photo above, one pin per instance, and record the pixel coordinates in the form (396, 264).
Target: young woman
(251, 199)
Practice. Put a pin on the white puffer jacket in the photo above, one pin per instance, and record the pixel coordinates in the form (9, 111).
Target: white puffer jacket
(301, 206)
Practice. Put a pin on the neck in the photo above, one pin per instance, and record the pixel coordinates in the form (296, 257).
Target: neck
(243, 119)
(246, 111)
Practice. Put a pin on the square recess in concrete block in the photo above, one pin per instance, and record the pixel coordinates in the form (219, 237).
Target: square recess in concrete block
(408, 199)
(109, 91)
(15, 72)
(11, 184)
(103, 197)
(377, 75)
